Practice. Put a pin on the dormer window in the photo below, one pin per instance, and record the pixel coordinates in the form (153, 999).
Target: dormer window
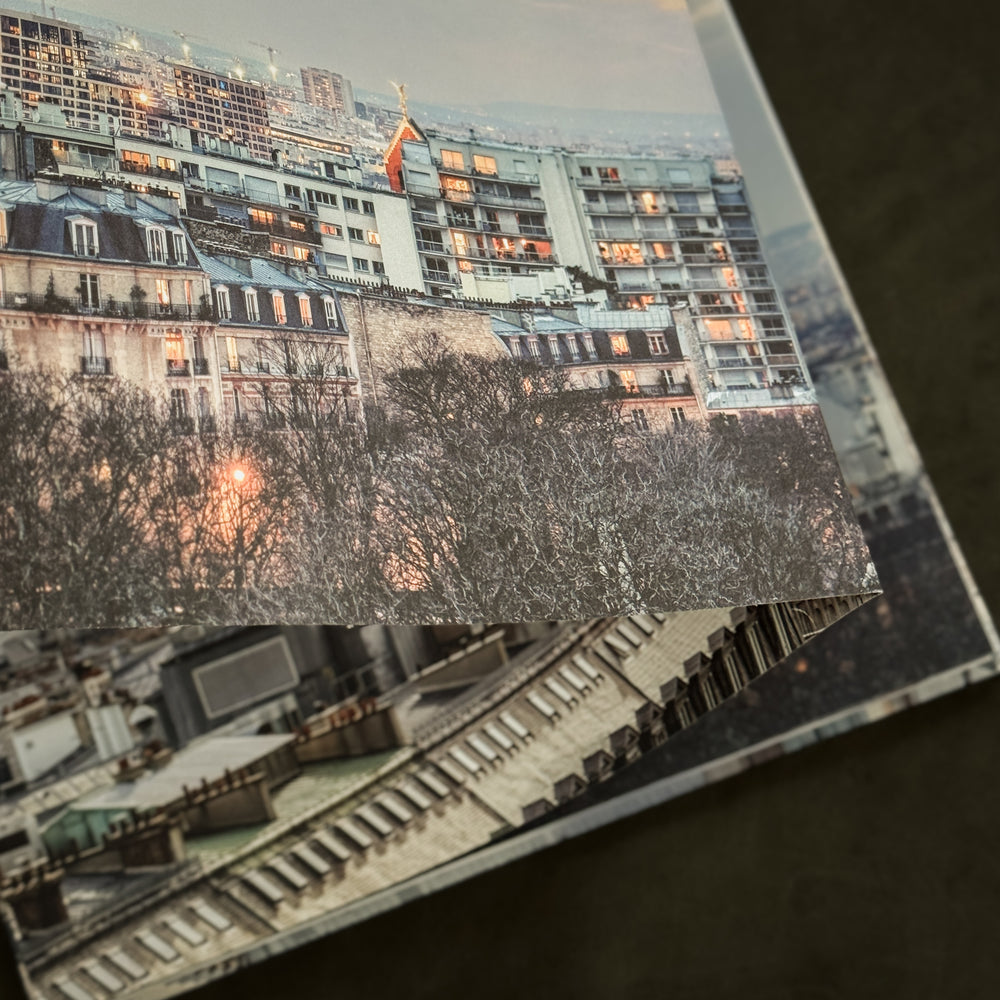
(156, 244)
(180, 247)
(84, 233)
(278, 304)
(305, 309)
(330, 311)
(222, 304)
(252, 305)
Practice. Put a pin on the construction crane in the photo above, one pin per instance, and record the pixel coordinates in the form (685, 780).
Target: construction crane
(271, 53)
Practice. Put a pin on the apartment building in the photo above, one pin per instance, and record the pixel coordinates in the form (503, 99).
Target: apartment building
(100, 283)
(480, 220)
(273, 328)
(43, 60)
(315, 213)
(637, 358)
(326, 89)
(224, 107)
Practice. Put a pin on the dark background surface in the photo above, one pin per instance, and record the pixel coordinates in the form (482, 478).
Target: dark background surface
(868, 866)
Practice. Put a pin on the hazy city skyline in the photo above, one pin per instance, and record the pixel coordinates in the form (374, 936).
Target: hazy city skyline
(648, 60)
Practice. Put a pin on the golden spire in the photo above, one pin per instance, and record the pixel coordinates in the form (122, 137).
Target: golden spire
(401, 90)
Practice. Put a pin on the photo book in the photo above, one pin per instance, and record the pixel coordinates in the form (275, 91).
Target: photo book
(408, 466)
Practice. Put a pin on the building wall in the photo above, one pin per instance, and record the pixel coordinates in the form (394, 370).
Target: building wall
(40, 747)
(384, 332)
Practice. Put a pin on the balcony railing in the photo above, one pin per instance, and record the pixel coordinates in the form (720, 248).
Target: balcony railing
(439, 277)
(178, 367)
(671, 389)
(426, 247)
(782, 359)
(200, 366)
(739, 363)
(430, 218)
(76, 306)
(279, 228)
(509, 201)
(95, 365)
(149, 170)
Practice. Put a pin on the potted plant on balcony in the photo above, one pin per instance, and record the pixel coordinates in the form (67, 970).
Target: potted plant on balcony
(138, 296)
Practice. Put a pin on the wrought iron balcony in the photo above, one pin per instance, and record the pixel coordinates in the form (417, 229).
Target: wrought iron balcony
(95, 365)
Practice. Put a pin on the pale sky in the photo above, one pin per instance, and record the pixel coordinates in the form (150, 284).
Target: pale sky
(634, 55)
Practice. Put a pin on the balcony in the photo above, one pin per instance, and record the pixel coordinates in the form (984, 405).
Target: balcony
(149, 170)
(428, 218)
(782, 359)
(507, 201)
(664, 390)
(279, 228)
(426, 247)
(206, 213)
(95, 365)
(439, 277)
(540, 232)
(178, 367)
(111, 308)
(739, 363)
(200, 366)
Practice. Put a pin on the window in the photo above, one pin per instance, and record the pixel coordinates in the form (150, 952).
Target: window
(180, 248)
(252, 305)
(322, 197)
(173, 346)
(278, 304)
(514, 346)
(301, 253)
(588, 346)
(95, 358)
(329, 229)
(292, 191)
(619, 344)
(360, 264)
(368, 207)
(222, 303)
(452, 159)
(330, 311)
(90, 291)
(608, 173)
(305, 310)
(719, 329)
(586, 171)
(663, 251)
(373, 237)
(166, 163)
(554, 348)
(281, 249)
(534, 348)
(232, 354)
(85, 239)
(351, 204)
(678, 415)
(639, 420)
(337, 260)
(261, 217)
(378, 267)
(163, 293)
(649, 203)
(484, 164)
(356, 234)
(156, 244)
(179, 410)
(629, 382)
(657, 343)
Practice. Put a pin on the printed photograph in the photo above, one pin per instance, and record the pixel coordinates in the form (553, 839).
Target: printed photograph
(365, 335)
(180, 802)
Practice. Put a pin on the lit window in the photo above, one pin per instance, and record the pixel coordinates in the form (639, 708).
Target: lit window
(608, 173)
(280, 249)
(649, 203)
(305, 310)
(232, 354)
(163, 293)
(373, 237)
(663, 251)
(252, 305)
(85, 239)
(329, 229)
(619, 344)
(718, 329)
(629, 382)
(300, 253)
(261, 217)
(278, 303)
(452, 159)
(484, 164)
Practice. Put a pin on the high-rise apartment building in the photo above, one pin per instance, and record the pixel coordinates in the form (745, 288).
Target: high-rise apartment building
(326, 89)
(224, 107)
(44, 61)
